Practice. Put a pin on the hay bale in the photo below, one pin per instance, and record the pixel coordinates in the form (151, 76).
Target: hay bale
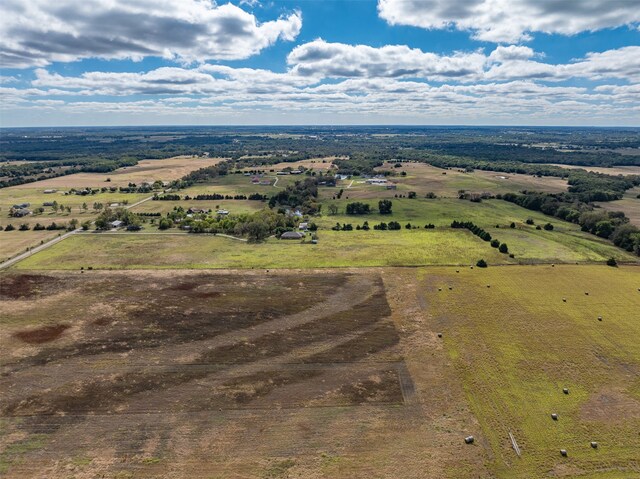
(564, 300)
(599, 318)
(554, 416)
(563, 452)
(586, 293)
(469, 440)
(594, 444)
(439, 335)
(450, 288)
(439, 289)
(565, 390)
(488, 286)
(457, 271)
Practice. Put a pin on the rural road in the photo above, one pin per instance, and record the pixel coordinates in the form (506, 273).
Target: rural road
(350, 184)
(57, 239)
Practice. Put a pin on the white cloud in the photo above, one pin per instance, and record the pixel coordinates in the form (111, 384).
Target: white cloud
(38, 32)
(320, 59)
(336, 60)
(511, 20)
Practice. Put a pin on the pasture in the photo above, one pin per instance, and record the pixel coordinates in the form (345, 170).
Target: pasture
(515, 345)
(244, 374)
(146, 170)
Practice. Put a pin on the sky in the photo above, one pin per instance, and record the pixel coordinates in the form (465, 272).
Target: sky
(288, 62)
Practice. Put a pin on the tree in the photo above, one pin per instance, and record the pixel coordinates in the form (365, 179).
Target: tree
(85, 207)
(481, 263)
(384, 206)
(548, 227)
(165, 224)
(358, 208)
(495, 243)
(333, 209)
(612, 262)
(9, 227)
(503, 248)
(412, 195)
(512, 225)
(24, 227)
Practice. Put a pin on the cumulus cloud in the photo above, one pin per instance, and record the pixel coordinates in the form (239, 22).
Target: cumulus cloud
(319, 58)
(511, 20)
(38, 32)
(337, 60)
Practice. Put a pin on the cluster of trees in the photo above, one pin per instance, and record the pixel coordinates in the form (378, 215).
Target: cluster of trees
(73, 224)
(612, 225)
(254, 226)
(302, 195)
(481, 233)
(358, 208)
(167, 197)
(129, 219)
(392, 225)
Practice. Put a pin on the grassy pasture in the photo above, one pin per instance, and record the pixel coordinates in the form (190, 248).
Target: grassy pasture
(423, 178)
(16, 242)
(629, 204)
(566, 243)
(516, 345)
(335, 249)
(146, 170)
(233, 206)
(614, 170)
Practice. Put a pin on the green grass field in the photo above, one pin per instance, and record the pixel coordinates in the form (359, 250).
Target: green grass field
(516, 345)
(335, 249)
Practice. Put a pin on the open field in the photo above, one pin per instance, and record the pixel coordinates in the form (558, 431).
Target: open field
(15, 242)
(614, 170)
(316, 164)
(423, 178)
(222, 378)
(233, 206)
(213, 374)
(629, 205)
(516, 345)
(146, 170)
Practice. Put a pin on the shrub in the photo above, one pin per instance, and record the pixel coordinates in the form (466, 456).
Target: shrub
(612, 262)
(481, 263)
(24, 227)
(529, 221)
(512, 225)
(9, 227)
(503, 248)
(495, 243)
(548, 227)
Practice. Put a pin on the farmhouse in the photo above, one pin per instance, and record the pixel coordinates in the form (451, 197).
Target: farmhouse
(196, 210)
(291, 235)
(296, 172)
(116, 224)
(222, 212)
(377, 181)
(303, 226)
(114, 205)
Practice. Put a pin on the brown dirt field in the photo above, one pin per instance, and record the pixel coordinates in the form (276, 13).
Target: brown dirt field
(146, 170)
(227, 374)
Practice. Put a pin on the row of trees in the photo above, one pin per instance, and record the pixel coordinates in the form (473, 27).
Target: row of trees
(481, 233)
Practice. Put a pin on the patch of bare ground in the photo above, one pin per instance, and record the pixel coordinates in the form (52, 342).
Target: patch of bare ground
(610, 406)
(207, 374)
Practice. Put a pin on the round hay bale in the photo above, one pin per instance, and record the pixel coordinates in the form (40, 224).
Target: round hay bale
(599, 318)
(439, 289)
(457, 271)
(439, 335)
(488, 286)
(553, 265)
(554, 416)
(563, 452)
(594, 444)
(565, 390)
(586, 293)
(450, 288)
(564, 300)
(469, 440)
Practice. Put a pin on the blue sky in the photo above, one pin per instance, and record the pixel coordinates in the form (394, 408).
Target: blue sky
(143, 62)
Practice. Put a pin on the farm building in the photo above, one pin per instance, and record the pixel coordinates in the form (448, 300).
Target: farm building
(21, 206)
(392, 186)
(19, 212)
(47, 203)
(291, 235)
(48, 192)
(116, 224)
(196, 210)
(222, 212)
(303, 226)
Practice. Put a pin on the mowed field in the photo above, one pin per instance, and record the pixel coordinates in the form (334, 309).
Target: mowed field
(423, 178)
(146, 170)
(629, 204)
(205, 374)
